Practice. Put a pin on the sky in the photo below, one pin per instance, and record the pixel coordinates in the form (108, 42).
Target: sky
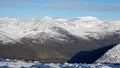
(102, 9)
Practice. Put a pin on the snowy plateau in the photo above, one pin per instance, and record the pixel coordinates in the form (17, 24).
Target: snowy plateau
(22, 64)
(54, 41)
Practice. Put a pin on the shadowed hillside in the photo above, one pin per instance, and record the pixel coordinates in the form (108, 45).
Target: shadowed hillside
(90, 56)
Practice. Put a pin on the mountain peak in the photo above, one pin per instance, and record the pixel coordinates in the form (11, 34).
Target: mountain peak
(46, 18)
(87, 18)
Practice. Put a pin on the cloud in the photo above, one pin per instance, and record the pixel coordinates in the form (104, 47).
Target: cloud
(73, 4)
(83, 5)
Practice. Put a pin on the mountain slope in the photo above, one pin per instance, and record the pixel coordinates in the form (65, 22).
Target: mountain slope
(111, 56)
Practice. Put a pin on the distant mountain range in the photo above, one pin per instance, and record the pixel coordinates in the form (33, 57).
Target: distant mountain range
(54, 39)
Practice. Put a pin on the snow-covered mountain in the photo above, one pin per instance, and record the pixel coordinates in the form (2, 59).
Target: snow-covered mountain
(111, 56)
(55, 39)
(12, 30)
